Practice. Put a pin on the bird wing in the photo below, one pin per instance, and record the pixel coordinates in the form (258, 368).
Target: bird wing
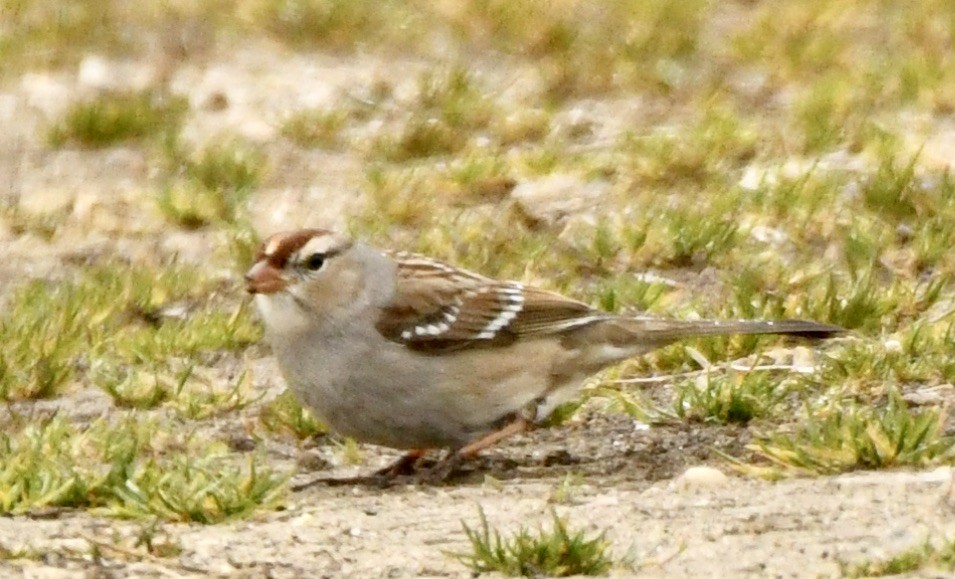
(438, 307)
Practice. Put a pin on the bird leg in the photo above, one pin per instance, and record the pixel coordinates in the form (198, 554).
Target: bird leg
(450, 463)
(403, 466)
(518, 426)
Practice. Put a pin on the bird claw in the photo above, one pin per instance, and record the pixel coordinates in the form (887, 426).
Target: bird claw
(406, 470)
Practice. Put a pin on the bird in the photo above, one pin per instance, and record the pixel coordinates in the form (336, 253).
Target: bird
(397, 349)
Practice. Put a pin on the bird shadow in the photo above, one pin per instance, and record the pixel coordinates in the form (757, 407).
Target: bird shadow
(438, 473)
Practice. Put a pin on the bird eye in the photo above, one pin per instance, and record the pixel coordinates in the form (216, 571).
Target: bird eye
(315, 261)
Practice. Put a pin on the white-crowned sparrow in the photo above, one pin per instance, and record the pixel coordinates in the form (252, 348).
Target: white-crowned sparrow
(400, 350)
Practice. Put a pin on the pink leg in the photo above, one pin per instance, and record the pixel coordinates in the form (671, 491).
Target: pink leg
(518, 426)
(448, 465)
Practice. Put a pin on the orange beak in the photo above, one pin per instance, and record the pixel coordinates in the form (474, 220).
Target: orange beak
(263, 278)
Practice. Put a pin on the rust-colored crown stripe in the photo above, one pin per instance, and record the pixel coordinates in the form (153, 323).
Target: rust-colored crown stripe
(280, 246)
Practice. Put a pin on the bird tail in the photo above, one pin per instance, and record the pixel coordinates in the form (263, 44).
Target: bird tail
(666, 331)
(615, 338)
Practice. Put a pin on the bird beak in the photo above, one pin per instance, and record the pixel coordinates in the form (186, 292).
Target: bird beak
(263, 278)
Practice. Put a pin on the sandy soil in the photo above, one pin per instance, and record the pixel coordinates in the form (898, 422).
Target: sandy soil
(631, 486)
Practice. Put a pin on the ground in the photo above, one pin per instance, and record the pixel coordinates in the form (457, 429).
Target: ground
(631, 476)
(665, 525)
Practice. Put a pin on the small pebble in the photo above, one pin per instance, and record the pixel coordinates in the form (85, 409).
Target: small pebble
(702, 476)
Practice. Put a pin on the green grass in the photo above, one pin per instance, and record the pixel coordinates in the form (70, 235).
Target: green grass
(859, 436)
(128, 467)
(341, 24)
(585, 49)
(50, 34)
(209, 397)
(558, 552)
(118, 117)
(579, 49)
(812, 42)
(448, 109)
(316, 128)
(139, 315)
(210, 186)
(928, 556)
(286, 415)
(137, 388)
(696, 238)
(43, 225)
(50, 28)
(717, 139)
(734, 397)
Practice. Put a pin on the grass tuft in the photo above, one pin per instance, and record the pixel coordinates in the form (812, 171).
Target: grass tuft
(211, 186)
(449, 107)
(853, 437)
(118, 117)
(736, 397)
(207, 490)
(136, 388)
(285, 414)
(126, 468)
(555, 553)
(697, 238)
(315, 128)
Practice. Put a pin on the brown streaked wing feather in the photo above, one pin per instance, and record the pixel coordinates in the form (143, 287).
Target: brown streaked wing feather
(548, 312)
(438, 308)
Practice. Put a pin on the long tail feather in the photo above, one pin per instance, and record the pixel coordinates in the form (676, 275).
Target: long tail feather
(664, 331)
